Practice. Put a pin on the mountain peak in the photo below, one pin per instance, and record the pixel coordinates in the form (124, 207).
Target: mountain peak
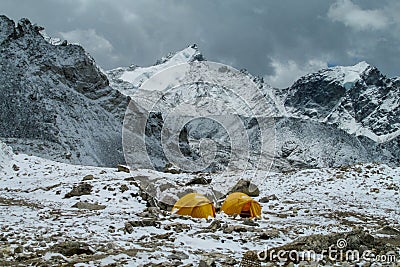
(345, 76)
(127, 80)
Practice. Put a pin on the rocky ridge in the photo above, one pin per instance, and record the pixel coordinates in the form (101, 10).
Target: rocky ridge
(54, 101)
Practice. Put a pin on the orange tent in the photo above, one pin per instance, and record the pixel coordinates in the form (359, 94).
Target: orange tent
(195, 205)
(241, 204)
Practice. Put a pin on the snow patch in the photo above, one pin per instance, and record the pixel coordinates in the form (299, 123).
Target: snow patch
(347, 76)
(140, 74)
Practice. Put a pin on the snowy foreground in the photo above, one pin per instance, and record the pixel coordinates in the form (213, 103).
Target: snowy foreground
(40, 226)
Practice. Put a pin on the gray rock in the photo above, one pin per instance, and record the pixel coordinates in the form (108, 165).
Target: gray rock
(267, 199)
(207, 262)
(79, 190)
(61, 98)
(88, 206)
(70, 248)
(88, 177)
(246, 187)
(145, 222)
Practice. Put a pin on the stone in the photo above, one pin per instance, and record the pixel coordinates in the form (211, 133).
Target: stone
(269, 234)
(15, 167)
(88, 206)
(18, 249)
(70, 248)
(250, 259)
(128, 228)
(171, 168)
(88, 177)
(207, 262)
(79, 190)
(123, 188)
(123, 168)
(387, 230)
(199, 180)
(267, 199)
(245, 186)
(144, 223)
(234, 228)
(374, 190)
(215, 225)
(250, 222)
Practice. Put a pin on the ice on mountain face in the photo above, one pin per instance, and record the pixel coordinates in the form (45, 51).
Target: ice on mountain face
(51, 40)
(345, 76)
(127, 80)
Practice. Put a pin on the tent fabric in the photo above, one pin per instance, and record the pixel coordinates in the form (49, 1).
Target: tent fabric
(195, 205)
(241, 204)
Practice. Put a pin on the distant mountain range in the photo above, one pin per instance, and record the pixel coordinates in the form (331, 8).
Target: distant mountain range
(56, 103)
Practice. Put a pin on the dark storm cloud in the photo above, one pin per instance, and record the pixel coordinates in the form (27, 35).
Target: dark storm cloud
(276, 39)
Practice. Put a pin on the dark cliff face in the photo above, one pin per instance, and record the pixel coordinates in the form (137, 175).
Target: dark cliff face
(56, 97)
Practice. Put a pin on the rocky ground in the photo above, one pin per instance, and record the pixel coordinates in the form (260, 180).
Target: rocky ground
(54, 214)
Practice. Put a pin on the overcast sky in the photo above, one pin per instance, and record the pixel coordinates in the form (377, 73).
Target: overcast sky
(280, 40)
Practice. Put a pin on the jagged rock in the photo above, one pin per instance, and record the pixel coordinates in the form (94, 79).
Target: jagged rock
(207, 262)
(250, 259)
(144, 223)
(234, 228)
(88, 206)
(79, 190)
(199, 180)
(70, 248)
(123, 188)
(123, 168)
(177, 227)
(267, 199)
(171, 168)
(269, 234)
(64, 105)
(15, 167)
(246, 187)
(387, 230)
(250, 222)
(88, 177)
(129, 228)
(215, 225)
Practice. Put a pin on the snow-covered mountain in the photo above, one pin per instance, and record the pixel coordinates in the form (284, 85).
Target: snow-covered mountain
(129, 79)
(54, 100)
(358, 99)
(336, 116)
(56, 103)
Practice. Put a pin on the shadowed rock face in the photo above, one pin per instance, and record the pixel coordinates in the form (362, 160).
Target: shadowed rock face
(54, 101)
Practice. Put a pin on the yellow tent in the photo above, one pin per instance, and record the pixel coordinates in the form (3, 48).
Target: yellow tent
(195, 205)
(241, 204)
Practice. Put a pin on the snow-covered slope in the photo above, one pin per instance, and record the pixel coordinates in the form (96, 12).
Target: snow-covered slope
(54, 101)
(109, 223)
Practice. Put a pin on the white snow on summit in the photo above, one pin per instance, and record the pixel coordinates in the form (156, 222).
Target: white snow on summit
(140, 74)
(346, 76)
